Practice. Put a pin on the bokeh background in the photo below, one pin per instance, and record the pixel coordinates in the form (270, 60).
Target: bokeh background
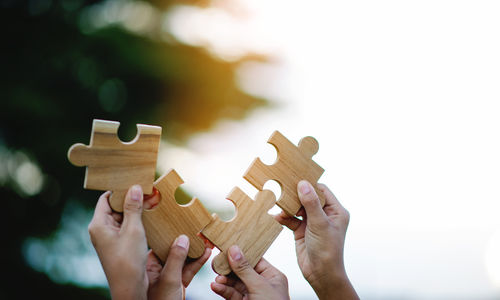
(403, 97)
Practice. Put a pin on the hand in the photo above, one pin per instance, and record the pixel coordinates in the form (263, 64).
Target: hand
(265, 282)
(319, 242)
(120, 243)
(132, 271)
(171, 280)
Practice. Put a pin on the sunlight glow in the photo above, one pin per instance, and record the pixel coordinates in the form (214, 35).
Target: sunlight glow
(403, 99)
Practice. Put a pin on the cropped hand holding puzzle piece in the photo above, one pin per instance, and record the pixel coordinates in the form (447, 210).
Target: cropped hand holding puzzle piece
(114, 165)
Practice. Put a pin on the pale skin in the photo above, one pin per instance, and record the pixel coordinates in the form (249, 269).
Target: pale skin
(319, 245)
(132, 271)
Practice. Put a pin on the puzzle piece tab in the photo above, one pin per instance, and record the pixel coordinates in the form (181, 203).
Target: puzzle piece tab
(166, 221)
(252, 229)
(114, 165)
(293, 165)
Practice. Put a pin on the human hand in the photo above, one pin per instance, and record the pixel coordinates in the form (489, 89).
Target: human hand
(319, 242)
(171, 280)
(120, 243)
(132, 272)
(265, 282)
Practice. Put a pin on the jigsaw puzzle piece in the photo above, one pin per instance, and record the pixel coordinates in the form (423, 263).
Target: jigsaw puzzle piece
(115, 165)
(167, 220)
(292, 165)
(252, 229)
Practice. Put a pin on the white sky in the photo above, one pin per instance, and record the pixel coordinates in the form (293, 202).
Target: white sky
(404, 99)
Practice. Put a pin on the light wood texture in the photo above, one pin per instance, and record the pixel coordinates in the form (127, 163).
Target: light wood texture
(114, 165)
(252, 229)
(167, 220)
(293, 165)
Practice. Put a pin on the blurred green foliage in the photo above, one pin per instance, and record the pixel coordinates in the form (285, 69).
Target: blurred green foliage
(55, 77)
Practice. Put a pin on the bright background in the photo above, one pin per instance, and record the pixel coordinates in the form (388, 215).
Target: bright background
(403, 97)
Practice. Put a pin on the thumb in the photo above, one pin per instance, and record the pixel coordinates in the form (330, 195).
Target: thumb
(132, 208)
(242, 268)
(310, 200)
(172, 271)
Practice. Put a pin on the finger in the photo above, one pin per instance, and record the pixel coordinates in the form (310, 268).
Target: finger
(330, 197)
(100, 221)
(151, 200)
(192, 268)
(332, 205)
(263, 265)
(117, 217)
(172, 271)
(242, 268)
(153, 268)
(225, 280)
(206, 242)
(291, 222)
(132, 208)
(102, 208)
(309, 199)
(301, 212)
(225, 292)
(236, 283)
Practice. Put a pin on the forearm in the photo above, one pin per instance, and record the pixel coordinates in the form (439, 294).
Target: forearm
(127, 292)
(339, 287)
(126, 284)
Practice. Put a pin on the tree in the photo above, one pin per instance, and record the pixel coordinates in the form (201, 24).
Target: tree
(56, 76)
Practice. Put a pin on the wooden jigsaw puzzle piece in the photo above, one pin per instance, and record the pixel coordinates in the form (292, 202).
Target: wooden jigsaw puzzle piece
(115, 165)
(292, 165)
(167, 220)
(252, 229)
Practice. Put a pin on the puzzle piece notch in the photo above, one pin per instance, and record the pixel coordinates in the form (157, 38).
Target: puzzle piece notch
(252, 229)
(167, 220)
(292, 165)
(115, 165)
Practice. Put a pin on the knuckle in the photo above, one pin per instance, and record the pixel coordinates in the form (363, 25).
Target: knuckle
(241, 266)
(93, 230)
(347, 216)
(310, 199)
(282, 277)
(132, 206)
(177, 253)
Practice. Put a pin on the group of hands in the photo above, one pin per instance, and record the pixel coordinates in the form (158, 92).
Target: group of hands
(133, 272)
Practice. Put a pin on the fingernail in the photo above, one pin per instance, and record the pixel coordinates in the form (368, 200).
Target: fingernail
(217, 287)
(304, 187)
(220, 279)
(182, 241)
(136, 193)
(235, 253)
